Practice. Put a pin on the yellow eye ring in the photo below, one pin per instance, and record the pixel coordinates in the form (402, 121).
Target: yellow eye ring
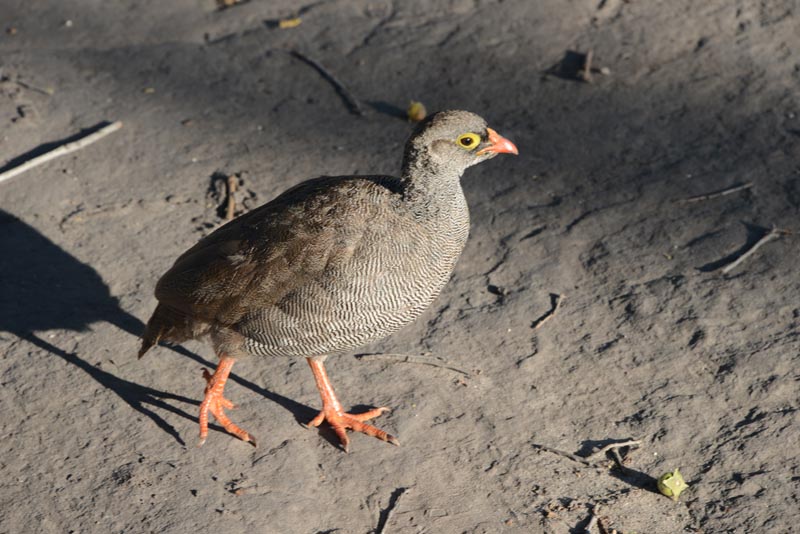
(470, 141)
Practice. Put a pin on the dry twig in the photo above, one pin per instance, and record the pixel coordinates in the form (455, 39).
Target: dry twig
(589, 460)
(25, 85)
(585, 73)
(568, 455)
(61, 151)
(410, 358)
(775, 233)
(231, 206)
(592, 520)
(555, 303)
(716, 194)
(613, 447)
(349, 99)
(618, 460)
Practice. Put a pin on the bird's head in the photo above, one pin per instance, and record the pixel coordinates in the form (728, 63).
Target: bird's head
(454, 140)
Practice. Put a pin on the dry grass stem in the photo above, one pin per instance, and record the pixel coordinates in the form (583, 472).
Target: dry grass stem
(716, 194)
(775, 233)
(555, 303)
(411, 358)
(613, 447)
(231, 206)
(589, 461)
(592, 520)
(586, 71)
(61, 151)
(565, 454)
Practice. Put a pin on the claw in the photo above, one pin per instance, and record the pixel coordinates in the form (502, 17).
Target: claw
(340, 420)
(216, 404)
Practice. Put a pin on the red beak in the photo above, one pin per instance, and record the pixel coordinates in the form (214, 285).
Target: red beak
(499, 144)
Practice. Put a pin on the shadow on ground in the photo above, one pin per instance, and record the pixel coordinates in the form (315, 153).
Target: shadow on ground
(47, 288)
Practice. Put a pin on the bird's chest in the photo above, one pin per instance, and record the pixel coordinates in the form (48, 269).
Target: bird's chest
(405, 265)
(380, 280)
(394, 275)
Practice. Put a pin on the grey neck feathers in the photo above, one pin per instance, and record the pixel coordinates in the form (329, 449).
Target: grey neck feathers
(428, 180)
(432, 188)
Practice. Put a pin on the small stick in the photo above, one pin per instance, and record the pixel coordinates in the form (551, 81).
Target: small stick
(775, 233)
(585, 73)
(61, 150)
(614, 446)
(568, 455)
(593, 520)
(232, 181)
(348, 98)
(716, 194)
(48, 92)
(587, 460)
(410, 358)
(555, 303)
(618, 460)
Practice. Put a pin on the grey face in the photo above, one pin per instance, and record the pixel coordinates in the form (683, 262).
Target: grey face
(455, 139)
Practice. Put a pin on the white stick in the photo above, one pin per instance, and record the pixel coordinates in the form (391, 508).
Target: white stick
(593, 520)
(716, 194)
(775, 233)
(61, 151)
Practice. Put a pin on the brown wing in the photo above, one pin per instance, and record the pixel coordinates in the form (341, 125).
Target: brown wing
(255, 260)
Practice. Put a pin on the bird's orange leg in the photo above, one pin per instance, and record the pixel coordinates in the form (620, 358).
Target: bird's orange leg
(215, 403)
(339, 420)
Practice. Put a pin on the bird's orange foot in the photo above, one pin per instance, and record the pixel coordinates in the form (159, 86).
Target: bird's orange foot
(340, 421)
(215, 403)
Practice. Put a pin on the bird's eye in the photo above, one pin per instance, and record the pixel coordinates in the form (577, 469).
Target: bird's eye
(469, 141)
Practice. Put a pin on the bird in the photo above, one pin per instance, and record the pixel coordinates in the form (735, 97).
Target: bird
(327, 266)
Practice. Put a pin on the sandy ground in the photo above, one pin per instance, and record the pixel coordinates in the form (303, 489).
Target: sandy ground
(651, 340)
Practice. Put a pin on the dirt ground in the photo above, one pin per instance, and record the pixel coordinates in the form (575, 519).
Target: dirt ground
(650, 340)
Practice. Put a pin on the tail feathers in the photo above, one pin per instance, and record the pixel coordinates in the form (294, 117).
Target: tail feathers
(148, 342)
(165, 325)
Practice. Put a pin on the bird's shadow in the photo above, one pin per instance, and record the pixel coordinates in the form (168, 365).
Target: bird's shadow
(301, 412)
(46, 288)
(140, 398)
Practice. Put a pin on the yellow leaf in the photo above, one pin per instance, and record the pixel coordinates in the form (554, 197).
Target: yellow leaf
(289, 23)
